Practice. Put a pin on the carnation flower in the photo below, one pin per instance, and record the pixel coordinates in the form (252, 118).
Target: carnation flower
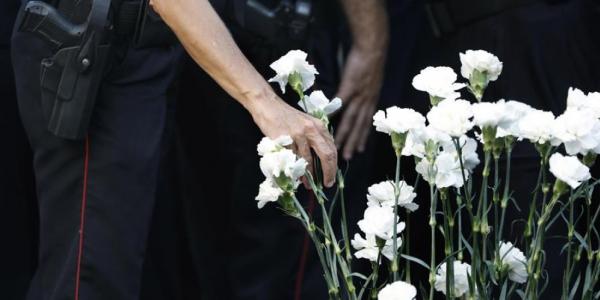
(398, 290)
(268, 191)
(417, 139)
(380, 221)
(468, 149)
(444, 172)
(482, 62)
(514, 111)
(451, 117)
(490, 114)
(569, 169)
(578, 130)
(383, 194)
(368, 248)
(536, 126)
(294, 65)
(283, 163)
(319, 106)
(268, 145)
(397, 120)
(438, 82)
(462, 272)
(578, 100)
(515, 261)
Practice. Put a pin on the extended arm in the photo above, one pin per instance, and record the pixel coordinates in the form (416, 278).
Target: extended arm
(208, 41)
(363, 72)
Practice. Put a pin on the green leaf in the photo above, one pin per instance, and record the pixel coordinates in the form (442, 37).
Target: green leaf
(503, 291)
(416, 260)
(359, 275)
(574, 289)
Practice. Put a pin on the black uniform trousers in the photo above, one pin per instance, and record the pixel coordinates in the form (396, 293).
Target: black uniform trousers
(96, 195)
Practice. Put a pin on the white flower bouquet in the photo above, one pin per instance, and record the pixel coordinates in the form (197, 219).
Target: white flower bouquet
(470, 221)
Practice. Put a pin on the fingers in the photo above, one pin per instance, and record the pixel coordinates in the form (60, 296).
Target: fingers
(345, 126)
(355, 135)
(321, 141)
(303, 149)
(366, 130)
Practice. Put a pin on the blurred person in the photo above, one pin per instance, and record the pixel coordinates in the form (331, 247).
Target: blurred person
(262, 254)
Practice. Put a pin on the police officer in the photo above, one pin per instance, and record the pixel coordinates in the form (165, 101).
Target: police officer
(96, 193)
(17, 198)
(262, 254)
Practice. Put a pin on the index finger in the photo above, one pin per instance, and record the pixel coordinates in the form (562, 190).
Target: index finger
(325, 149)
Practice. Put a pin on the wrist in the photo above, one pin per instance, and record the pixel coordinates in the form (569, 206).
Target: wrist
(256, 99)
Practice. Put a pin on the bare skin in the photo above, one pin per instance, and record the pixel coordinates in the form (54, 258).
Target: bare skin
(363, 73)
(207, 40)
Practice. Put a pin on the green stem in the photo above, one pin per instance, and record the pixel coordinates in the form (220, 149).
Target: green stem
(569, 267)
(407, 247)
(432, 224)
(375, 276)
(310, 229)
(505, 194)
(394, 267)
(534, 263)
(448, 245)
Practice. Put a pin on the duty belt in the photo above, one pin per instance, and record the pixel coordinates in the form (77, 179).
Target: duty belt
(447, 16)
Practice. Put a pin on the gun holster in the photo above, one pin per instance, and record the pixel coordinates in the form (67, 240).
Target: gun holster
(285, 24)
(70, 79)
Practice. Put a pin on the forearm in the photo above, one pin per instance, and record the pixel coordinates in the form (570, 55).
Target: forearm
(368, 22)
(209, 43)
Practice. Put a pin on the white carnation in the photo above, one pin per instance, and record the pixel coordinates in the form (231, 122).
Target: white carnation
(482, 61)
(267, 145)
(294, 62)
(398, 290)
(578, 130)
(515, 110)
(569, 169)
(444, 172)
(283, 163)
(318, 105)
(452, 117)
(438, 82)
(397, 120)
(468, 149)
(368, 249)
(577, 99)
(268, 191)
(383, 194)
(537, 126)
(515, 260)
(417, 138)
(491, 114)
(462, 272)
(380, 221)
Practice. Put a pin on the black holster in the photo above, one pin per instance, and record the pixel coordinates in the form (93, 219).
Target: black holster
(70, 79)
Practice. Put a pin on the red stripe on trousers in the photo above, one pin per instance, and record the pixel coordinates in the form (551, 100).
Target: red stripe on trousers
(304, 255)
(86, 158)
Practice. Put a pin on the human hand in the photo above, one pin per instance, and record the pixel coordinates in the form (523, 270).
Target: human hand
(275, 118)
(359, 89)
